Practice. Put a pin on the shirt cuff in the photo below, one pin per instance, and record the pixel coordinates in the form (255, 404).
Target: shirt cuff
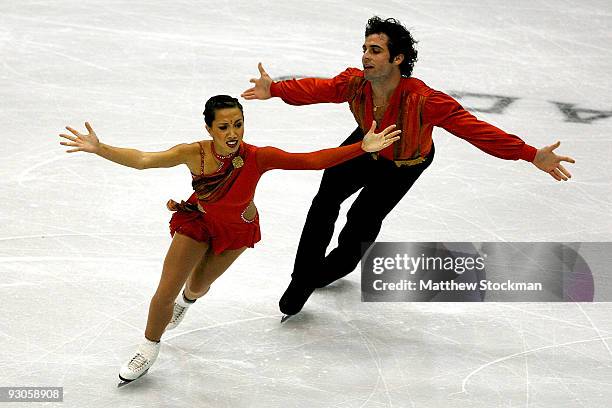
(528, 153)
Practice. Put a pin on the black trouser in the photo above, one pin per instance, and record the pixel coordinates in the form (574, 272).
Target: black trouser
(383, 185)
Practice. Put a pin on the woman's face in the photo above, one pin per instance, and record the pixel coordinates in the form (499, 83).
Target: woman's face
(227, 130)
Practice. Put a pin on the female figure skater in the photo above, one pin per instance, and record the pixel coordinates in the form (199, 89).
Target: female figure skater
(219, 221)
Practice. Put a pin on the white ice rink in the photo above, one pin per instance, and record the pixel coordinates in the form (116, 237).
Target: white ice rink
(83, 240)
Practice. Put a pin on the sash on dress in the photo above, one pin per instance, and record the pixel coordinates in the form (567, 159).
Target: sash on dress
(210, 188)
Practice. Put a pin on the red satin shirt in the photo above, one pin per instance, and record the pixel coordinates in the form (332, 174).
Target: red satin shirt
(414, 107)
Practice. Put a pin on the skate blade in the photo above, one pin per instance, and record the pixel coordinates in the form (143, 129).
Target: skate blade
(286, 317)
(123, 382)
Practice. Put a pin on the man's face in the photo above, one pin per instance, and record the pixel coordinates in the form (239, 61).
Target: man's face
(375, 57)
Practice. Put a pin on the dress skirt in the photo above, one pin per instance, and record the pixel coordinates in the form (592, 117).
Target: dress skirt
(221, 235)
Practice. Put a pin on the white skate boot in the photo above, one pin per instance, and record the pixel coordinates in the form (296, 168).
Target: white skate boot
(179, 311)
(139, 363)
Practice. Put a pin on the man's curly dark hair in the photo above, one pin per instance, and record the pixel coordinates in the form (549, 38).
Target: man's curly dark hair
(400, 41)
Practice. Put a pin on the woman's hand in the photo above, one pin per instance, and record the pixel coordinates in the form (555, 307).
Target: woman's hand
(373, 142)
(83, 143)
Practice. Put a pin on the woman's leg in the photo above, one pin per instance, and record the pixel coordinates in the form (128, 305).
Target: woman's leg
(183, 256)
(208, 270)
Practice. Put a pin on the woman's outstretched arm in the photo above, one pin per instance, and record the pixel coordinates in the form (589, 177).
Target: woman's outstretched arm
(136, 159)
(269, 158)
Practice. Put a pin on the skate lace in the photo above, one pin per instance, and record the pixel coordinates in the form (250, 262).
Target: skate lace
(180, 310)
(137, 362)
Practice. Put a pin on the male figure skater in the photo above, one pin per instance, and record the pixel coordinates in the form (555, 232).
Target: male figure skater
(383, 91)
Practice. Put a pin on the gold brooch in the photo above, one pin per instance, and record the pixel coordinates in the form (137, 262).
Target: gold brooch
(237, 162)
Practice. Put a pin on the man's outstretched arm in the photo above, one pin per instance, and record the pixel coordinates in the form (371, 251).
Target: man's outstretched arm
(443, 111)
(301, 91)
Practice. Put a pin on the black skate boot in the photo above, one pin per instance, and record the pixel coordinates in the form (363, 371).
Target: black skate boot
(294, 298)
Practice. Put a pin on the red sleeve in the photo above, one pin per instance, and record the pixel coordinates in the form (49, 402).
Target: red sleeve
(443, 111)
(269, 158)
(315, 90)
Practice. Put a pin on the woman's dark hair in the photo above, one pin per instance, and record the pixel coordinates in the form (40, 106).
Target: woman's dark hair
(219, 102)
(400, 41)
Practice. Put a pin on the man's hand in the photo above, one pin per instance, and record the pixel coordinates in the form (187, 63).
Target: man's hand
(547, 161)
(261, 90)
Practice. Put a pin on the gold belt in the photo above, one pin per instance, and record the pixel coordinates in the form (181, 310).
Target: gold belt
(411, 162)
(400, 163)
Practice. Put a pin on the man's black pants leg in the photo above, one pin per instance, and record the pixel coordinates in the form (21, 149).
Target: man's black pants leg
(379, 196)
(337, 184)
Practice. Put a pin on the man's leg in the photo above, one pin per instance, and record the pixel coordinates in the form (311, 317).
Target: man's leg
(365, 217)
(338, 183)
